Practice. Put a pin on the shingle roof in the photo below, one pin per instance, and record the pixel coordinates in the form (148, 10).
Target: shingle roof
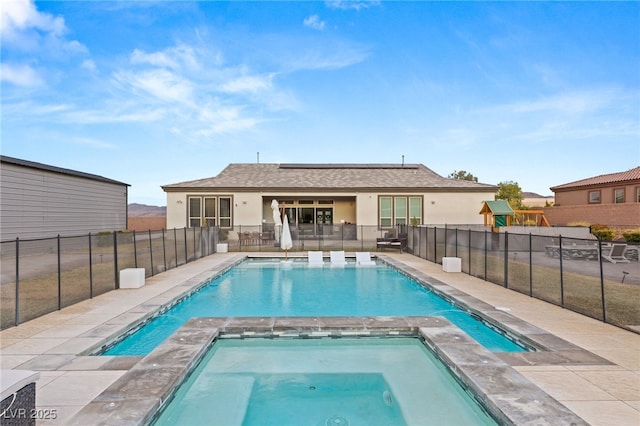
(626, 176)
(339, 177)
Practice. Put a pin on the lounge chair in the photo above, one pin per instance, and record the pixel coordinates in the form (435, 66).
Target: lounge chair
(337, 258)
(315, 259)
(615, 253)
(363, 258)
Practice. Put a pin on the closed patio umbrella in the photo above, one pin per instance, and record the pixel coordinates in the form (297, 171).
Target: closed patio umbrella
(285, 240)
(276, 219)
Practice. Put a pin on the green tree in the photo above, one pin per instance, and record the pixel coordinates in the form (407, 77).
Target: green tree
(462, 175)
(511, 192)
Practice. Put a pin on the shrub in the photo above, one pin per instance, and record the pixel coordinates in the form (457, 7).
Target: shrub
(632, 236)
(603, 232)
(580, 223)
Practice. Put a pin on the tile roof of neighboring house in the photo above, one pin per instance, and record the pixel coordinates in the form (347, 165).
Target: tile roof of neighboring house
(54, 169)
(626, 176)
(338, 177)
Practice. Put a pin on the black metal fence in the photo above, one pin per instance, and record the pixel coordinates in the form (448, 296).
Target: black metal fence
(569, 272)
(43, 275)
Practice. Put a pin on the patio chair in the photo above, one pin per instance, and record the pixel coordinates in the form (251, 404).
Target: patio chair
(337, 258)
(363, 258)
(615, 253)
(315, 259)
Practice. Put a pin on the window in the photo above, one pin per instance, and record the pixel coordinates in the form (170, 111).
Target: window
(618, 196)
(214, 211)
(399, 210)
(210, 211)
(386, 216)
(225, 212)
(415, 210)
(195, 211)
(594, 197)
(638, 194)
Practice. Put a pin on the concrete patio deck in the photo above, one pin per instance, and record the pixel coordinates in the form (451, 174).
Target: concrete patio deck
(56, 345)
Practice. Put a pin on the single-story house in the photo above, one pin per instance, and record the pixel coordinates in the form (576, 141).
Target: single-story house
(373, 195)
(40, 201)
(611, 199)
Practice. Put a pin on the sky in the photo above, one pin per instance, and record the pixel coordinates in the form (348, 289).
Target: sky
(151, 93)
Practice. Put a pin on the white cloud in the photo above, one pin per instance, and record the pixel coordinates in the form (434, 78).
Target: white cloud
(21, 15)
(175, 58)
(314, 22)
(578, 102)
(20, 75)
(93, 143)
(352, 4)
(247, 84)
(88, 64)
(159, 83)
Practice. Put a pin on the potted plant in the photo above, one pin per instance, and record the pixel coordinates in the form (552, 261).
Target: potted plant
(223, 237)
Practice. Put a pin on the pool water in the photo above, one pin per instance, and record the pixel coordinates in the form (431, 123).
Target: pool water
(268, 289)
(323, 382)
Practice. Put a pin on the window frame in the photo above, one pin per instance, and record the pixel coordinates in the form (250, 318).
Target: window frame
(205, 215)
(621, 192)
(388, 222)
(595, 196)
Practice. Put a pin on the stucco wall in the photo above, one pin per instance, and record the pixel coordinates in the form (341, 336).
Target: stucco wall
(454, 208)
(362, 209)
(581, 196)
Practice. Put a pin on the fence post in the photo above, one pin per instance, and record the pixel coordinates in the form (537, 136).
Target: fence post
(17, 321)
(445, 240)
(175, 245)
(456, 242)
(59, 276)
(469, 251)
(506, 259)
(90, 269)
(135, 250)
(195, 247)
(151, 251)
(530, 265)
(186, 251)
(604, 309)
(164, 250)
(435, 244)
(485, 255)
(115, 258)
(561, 273)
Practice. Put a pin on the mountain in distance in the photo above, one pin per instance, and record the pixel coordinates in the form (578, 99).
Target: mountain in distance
(142, 210)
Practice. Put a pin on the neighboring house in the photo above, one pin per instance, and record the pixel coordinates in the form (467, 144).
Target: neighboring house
(374, 195)
(612, 199)
(39, 201)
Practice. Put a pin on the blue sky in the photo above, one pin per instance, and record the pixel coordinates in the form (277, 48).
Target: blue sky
(154, 92)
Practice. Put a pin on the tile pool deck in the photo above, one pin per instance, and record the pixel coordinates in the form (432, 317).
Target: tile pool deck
(594, 370)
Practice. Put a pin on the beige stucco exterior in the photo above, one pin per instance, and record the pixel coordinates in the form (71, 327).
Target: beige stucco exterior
(361, 208)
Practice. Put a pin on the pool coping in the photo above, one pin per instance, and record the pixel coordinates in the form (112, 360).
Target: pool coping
(549, 348)
(140, 394)
(555, 351)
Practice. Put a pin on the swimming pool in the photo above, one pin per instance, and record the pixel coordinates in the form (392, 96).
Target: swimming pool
(269, 288)
(333, 382)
